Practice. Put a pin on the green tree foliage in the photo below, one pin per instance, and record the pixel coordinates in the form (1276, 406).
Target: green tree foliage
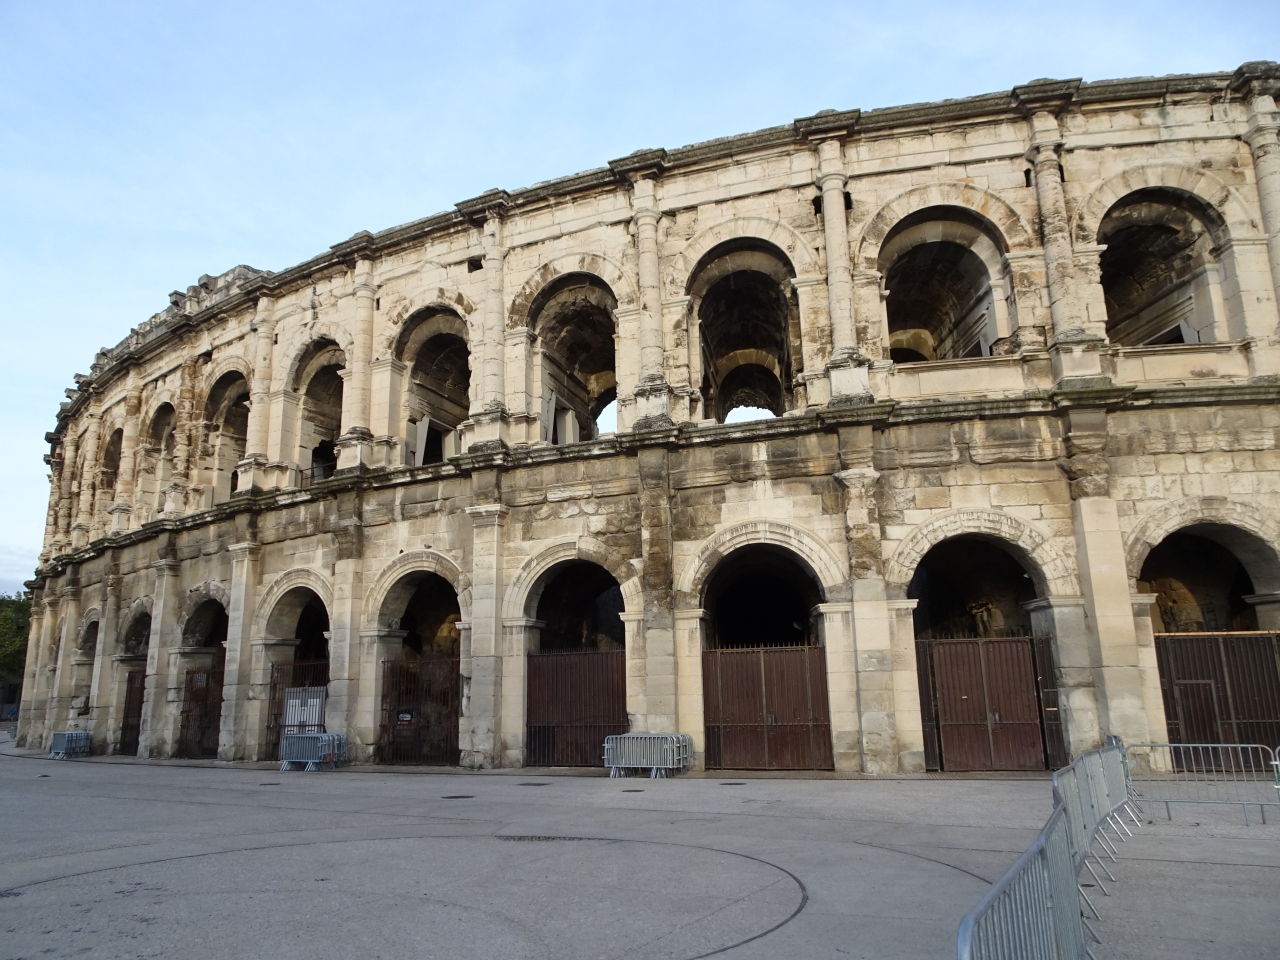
(15, 617)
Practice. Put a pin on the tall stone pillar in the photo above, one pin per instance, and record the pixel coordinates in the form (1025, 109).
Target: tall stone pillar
(690, 711)
(186, 445)
(49, 546)
(233, 735)
(354, 446)
(1065, 620)
(84, 513)
(60, 691)
(345, 665)
(41, 654)
(658, 591)
(376, 647)
(161, 703)
(1104, 580)
(1148, 667)
(125, 475)
(489, 417)
(66, 503)
(847, 368)
(1260, 83)
(908, 717)
(252, 470)
(102, 685)
(489, 737)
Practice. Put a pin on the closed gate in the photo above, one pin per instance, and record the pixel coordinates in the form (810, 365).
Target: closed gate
(575, 701)
(420, 707)
(1220, 687)
(988, 705)
(201, 714)
(135, 685)
(299, 673)
(766, 708)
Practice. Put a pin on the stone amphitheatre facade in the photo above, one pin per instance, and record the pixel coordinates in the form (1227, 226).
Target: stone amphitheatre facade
(1023, 360)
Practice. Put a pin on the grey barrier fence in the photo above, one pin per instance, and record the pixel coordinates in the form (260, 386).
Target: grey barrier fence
(1033, 912)
(662, 754)
(1242, 774)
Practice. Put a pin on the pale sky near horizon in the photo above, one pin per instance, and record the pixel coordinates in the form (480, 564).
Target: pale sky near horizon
(145, 144)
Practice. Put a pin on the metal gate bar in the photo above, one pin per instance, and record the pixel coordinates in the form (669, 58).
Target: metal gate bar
(421, 702)
(1221, 687)
(201, 714)
(575, 701)
(299, 673)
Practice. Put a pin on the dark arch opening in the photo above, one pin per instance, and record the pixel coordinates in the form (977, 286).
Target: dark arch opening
(227, 416)
(942, 289)
(89, 640)
(748, 316)
(1157, 268)
(138, 637)
(969, 586)
(312, 631)
(761, 596)
(205, 629)
(573, 318)
(430, 619)
(580, 609)
(1199, 585)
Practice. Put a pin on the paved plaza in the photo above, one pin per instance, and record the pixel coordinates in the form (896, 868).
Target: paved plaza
(111, 858)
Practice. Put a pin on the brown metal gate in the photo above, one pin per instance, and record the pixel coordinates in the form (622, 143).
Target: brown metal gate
(989, 704)
(299, 673)
(766, 709)
(201, 714)
(421, 700)
(1220, 687)
(135, 685)
(575, 701)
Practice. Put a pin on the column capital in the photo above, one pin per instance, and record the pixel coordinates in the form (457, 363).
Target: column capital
(1142, 603)
(488, 514)
(244, 551)
(832, 180)
(167, 568)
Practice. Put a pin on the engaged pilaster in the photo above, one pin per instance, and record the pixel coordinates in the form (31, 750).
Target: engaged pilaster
(251, 472)
(1259, 81)
(489, 422)
(354, 446)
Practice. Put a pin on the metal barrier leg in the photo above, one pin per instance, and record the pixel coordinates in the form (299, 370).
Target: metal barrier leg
(1092, 908)
(1102, 886)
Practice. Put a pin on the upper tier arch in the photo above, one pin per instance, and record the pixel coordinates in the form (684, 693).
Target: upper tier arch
(680, 270)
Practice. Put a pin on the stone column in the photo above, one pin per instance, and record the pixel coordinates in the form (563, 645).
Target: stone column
(489, 422)
(1065, 620)
(102, 686)
(49, 547)
(1046, 143)
(66, 504)
(815, 344)
(845, 662)
(376, 647)
(657, 589)
(519, 636)
(125, 475)
(690, 712)
(233, 736)
(847, 368)
(486, 739)
(1148, 667)
(343, 710)
(385, 412)
(353, 446)
(84, 515)
(60, 692)
(251, 470)
(263, 654)
(161, 704)
(626, 363)
(908, 717)
(1260, 82)
(44, 616)
(637, 699)
(184, 426)
(1104, 579)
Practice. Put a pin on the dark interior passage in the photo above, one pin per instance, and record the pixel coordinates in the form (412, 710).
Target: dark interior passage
(1199, 586)
(580, 610)
(970, 587)
(760, 596)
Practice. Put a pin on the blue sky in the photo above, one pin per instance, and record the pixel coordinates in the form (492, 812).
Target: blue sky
(144, 144)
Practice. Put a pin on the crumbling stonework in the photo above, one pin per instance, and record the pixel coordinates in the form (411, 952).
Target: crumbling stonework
(1046, 319)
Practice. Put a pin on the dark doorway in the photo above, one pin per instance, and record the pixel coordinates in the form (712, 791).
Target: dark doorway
(135, 685)
(577, 678)
(988, 688)
(206, 629)
(422, 689)
(1219, 674)
(764, 672)
(300, 615)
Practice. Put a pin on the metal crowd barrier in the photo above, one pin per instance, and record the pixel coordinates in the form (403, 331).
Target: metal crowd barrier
(662, 754)
(69, 743)
(315, 750)
(1033, 912)
(1244, 774)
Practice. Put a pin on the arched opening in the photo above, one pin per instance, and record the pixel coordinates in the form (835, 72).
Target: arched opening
(132, 660)
(573, 320)
(945, 283)
(1160, 275)
(82, 668)
(319, 380)
(298, 628)
(108, 474)
(577, 689)
(434, 345)
(988, 693)
(748, 325)
(422, 689)
(157, 459)
(204, 638)
(227, 420)
(1218, 670)
(764, 667)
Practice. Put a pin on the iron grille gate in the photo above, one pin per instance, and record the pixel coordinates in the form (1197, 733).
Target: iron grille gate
(300, 673)
(135, 685)
(990, 704)
(766, 709)
(575, 701)
(1220, 687)
(201, 714)
(420, 707)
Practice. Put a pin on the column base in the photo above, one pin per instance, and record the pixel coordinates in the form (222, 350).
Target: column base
(848, 374)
